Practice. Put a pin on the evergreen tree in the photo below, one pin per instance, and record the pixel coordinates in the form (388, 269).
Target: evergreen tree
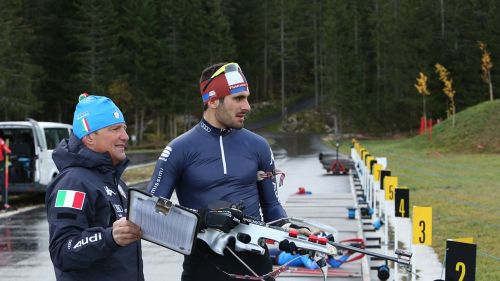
(49, 50)
(135, 59)
(93, 30)
(343, 63)
(358, 58)
(18, 75)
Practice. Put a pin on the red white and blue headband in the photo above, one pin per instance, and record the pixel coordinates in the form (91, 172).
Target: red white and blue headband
(227, 80)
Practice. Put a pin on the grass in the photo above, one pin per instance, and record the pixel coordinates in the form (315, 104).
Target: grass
(476, 130)
(462, 190)
(458, 175)
(138, 174)
(133, 150)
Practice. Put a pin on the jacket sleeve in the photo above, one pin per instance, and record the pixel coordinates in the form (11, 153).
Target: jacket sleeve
(76, 242)
(167, 171)
(268, 191)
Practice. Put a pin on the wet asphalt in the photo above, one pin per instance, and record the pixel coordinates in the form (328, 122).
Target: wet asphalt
(24, 236)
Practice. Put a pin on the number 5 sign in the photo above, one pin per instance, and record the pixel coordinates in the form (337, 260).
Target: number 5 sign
(422, 225)
(390, 184)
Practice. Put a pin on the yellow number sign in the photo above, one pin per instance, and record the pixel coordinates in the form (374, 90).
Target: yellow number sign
(460, 261)
(422, 225)
(469, 240)
(390, 184)
(357, 146)
(402, 202)
(376, 171)
(363, 153)
(367, 161)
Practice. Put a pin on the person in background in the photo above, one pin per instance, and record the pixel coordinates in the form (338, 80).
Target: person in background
(90, 237)
(4, 149)
(220, 161)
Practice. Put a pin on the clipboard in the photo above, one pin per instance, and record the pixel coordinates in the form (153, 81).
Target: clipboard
(163, 222)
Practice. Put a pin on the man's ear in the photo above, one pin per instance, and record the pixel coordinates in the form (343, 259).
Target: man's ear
(213, 102)
(88, 139)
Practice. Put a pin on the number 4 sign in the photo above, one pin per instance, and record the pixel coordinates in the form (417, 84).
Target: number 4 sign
(402, 202)
(422, 225)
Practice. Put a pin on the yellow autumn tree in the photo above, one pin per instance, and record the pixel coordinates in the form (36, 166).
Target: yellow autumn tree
(444, 76)
(421, 87)
(486, 66)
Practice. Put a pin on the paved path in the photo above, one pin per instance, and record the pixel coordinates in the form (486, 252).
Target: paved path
(331, 195)
(24, 237)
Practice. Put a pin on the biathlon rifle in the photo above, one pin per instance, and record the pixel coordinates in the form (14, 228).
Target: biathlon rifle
(251, 235)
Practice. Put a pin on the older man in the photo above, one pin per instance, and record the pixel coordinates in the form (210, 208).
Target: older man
(90, 238)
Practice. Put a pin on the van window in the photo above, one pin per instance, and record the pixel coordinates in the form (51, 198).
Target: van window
(20, 141)
(53, 136)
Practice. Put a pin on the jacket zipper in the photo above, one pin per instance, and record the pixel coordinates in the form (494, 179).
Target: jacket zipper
(223, 155)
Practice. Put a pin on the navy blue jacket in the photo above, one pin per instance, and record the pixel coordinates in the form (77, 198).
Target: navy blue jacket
(82, 203)
(207, 164)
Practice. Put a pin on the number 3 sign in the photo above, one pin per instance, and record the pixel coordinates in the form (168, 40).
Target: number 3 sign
(422, 225)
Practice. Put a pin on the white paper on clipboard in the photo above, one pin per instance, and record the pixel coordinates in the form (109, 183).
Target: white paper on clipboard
(163, 222)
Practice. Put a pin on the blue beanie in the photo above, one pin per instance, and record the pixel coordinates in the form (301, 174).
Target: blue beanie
(93, 113)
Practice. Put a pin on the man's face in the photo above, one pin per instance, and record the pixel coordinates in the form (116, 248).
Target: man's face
(112, 139)
(231, 112)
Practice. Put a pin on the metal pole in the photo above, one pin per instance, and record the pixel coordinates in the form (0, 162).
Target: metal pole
(381, 199)
(369, 253)
(410, 274)
(396, 246)
(386, 228)
(375, 199)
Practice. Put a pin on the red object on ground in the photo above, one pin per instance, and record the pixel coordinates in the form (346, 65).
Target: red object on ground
(422, 126)
(302, 191)
(429, 128)
(337, 168)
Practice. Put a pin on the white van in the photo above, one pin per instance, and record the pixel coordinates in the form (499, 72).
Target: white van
(31, 166)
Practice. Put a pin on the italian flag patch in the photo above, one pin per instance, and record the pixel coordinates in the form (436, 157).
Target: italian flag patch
(85, 124)
(70, 199)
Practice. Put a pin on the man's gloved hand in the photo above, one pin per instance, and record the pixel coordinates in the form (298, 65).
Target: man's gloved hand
(301, 229)
(223, 219)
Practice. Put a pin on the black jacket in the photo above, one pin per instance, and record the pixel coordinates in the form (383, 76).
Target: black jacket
(82, 203)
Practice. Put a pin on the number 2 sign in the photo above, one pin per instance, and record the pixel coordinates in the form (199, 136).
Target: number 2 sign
(460, 261)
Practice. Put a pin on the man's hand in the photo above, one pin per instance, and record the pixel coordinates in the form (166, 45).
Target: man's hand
(223, 219)
(126, 232)
(290, 247)
(301, 229)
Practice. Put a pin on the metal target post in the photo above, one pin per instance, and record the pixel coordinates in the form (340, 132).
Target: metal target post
(396, 219)
(401, 210)
(410, 275)
(386, 229)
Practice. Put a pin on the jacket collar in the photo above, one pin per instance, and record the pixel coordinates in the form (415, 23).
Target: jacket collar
(205, 126)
